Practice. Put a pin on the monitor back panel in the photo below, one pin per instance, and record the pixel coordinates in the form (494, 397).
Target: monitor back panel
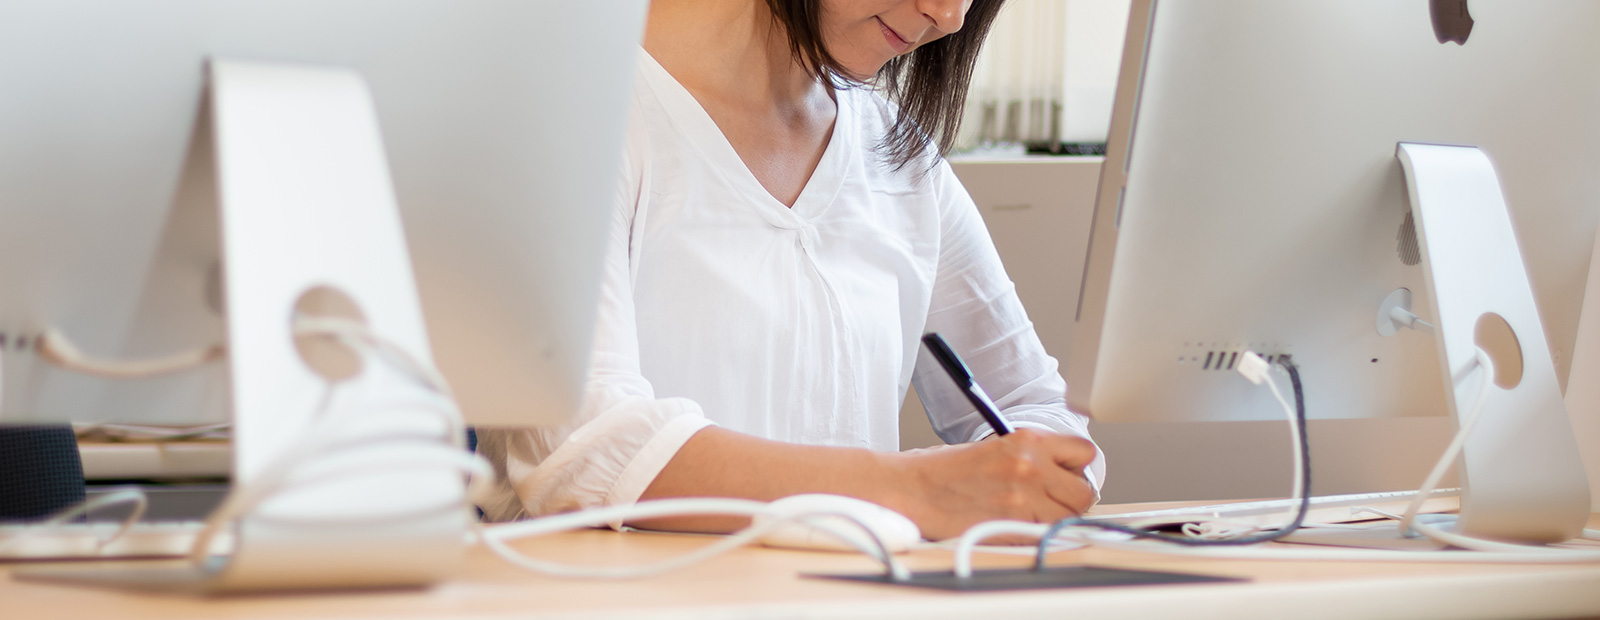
(501, 119)
(1251, 198)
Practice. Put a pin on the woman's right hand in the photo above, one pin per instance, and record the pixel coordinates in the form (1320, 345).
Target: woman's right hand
(1027, 475)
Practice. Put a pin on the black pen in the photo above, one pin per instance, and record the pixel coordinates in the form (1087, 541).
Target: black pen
(958, 372)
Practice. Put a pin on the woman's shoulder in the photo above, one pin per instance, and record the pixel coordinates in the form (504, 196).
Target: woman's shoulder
(871, 112)
(873, 117)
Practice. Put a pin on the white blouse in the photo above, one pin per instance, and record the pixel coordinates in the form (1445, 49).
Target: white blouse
(720, 305)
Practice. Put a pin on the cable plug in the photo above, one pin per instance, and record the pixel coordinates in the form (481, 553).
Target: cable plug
(1253, 367)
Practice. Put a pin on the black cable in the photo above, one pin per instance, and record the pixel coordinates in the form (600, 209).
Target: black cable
(1299, 517)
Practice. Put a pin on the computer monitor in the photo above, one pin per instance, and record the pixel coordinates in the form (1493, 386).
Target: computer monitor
(179, 174)
(501, 121)
(1252, 198)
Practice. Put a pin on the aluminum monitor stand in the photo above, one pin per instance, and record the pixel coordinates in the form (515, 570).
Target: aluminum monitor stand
(306, 202)
(1522, 478)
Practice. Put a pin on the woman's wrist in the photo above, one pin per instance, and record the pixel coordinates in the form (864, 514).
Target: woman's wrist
(900, 487)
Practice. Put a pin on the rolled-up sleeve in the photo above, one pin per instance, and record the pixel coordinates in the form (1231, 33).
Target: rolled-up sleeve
(975, 307)
(622, 435)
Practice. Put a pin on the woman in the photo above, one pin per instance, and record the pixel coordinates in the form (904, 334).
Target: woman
(782, 237)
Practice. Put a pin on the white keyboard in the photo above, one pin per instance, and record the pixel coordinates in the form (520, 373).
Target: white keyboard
(82, 541)
(1324, 509)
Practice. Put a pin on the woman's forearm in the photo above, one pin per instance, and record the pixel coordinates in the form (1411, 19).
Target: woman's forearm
(1027, 475)
(717, 462)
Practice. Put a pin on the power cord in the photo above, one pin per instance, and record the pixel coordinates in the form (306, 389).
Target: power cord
(1408, 522)
(1253, 369)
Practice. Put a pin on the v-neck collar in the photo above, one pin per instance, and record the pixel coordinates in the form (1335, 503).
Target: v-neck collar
(698, 128)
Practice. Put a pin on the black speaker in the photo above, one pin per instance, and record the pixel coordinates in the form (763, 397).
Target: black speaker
(40, 471)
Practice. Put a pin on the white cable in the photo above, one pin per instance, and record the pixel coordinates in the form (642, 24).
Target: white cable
(1258, 371)
(56, 348)
(119, 496)
(1448, 459)
(322, 440)
(358, 335)
(1408, 521)
(1218, 530)
(1294, 437)
(431, 451)
(494, 537)
(986, 530)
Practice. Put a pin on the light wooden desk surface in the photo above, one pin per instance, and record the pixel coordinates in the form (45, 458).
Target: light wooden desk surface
(766, 583)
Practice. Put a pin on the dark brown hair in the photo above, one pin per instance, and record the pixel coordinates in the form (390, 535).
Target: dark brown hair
(929, 84)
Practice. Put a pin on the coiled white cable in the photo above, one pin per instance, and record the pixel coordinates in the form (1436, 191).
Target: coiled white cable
(425, 451)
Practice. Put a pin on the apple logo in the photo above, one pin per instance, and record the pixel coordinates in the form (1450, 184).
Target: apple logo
(1451, 21)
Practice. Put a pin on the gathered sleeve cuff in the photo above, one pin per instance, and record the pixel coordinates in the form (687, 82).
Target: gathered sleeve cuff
(610, 460)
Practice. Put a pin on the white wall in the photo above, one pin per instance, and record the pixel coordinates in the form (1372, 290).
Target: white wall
(1095, 29)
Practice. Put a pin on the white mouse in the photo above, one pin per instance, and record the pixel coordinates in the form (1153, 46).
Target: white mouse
(896, 531)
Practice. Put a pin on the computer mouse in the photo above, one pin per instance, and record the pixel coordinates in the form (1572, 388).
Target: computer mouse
(897, 532)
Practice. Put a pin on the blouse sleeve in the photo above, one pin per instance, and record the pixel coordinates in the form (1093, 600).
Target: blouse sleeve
(622, 435)
(975, 308)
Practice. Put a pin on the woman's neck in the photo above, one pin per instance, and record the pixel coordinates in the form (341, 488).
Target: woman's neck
(730, 50)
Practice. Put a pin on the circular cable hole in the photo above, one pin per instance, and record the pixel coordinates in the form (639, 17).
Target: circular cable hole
(1495, 336)
(324, 355)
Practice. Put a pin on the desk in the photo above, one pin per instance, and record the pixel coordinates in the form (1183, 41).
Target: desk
(764, 583)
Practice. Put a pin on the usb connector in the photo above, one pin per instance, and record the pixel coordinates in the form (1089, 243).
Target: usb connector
(1253, 367)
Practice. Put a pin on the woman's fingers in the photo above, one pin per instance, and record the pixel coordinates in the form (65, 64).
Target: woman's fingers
(1027, 475)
